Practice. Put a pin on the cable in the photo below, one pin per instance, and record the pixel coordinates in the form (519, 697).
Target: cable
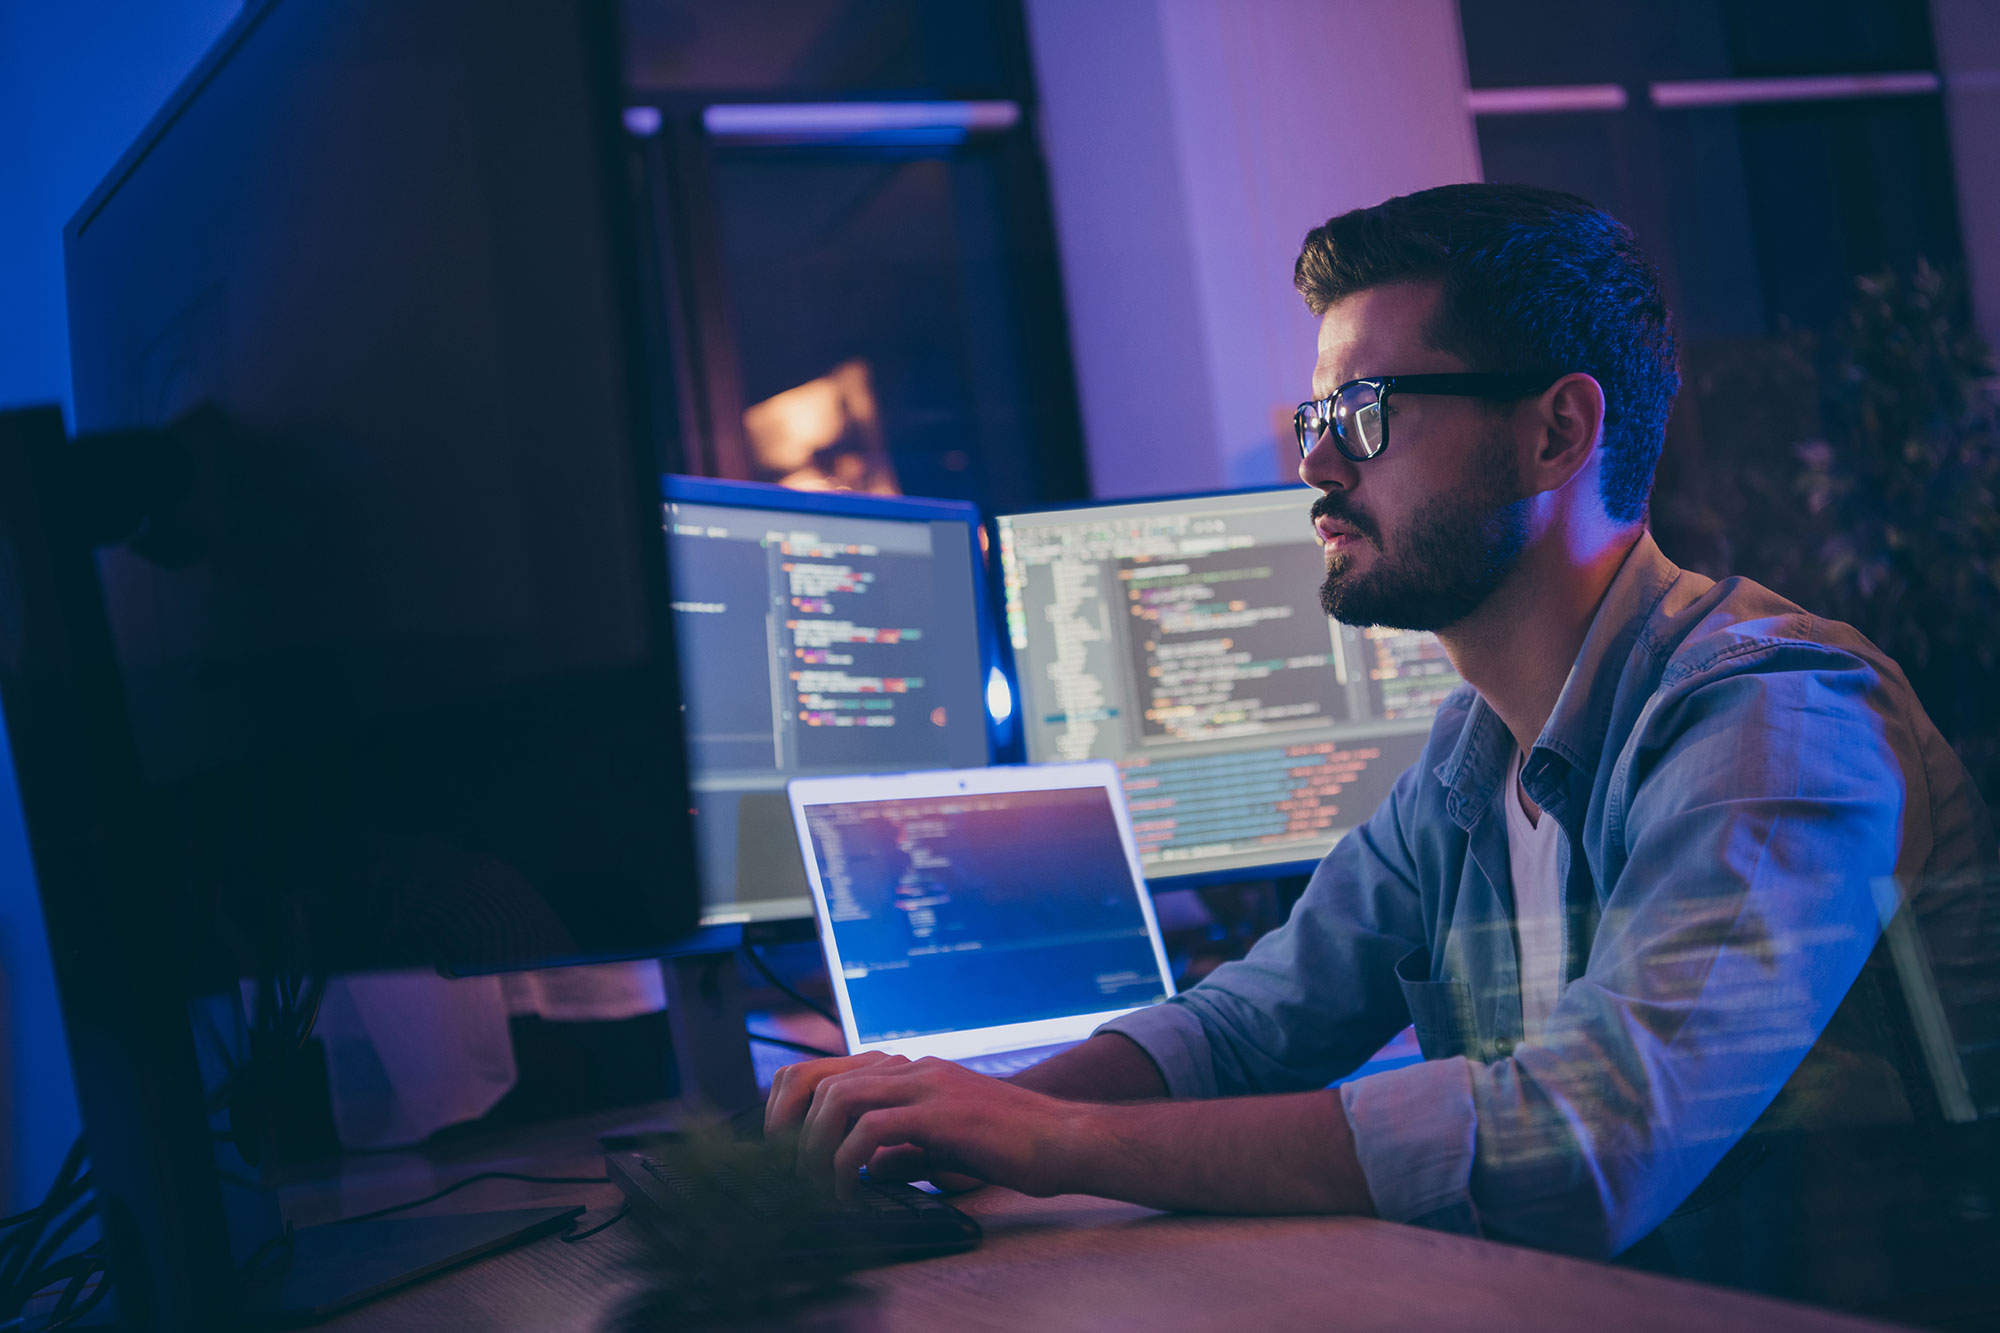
(47, 1250)
(68, 1187)
(73, 1274)
(483, 1175)
(283, 1241)
(69, 1309)
(757, 961)
(28, 1255)
(572, 1237)
(791, 1045)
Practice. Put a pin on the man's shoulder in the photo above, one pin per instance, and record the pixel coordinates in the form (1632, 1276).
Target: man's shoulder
(1730, 687)
(1795, 693)
(1737, 625)
(1792, 692)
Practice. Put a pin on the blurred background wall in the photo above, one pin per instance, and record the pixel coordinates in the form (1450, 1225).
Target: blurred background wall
(1191, 146)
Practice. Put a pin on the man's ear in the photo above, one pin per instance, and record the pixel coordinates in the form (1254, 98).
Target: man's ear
(1568, 428)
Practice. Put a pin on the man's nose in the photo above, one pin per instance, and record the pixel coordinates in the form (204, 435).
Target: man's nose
(1325, 468)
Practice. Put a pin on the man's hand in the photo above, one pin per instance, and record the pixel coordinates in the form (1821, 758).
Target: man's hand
(792, 1089)
(913, 1120)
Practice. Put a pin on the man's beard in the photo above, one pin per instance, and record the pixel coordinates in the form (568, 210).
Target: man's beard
(1451, 555)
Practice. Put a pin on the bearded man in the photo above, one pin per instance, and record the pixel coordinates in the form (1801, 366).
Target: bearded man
(1628, 894)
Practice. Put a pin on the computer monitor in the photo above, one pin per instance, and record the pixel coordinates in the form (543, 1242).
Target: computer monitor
(417, 675)
(1183, 638)
(820, 632)
(386, 678)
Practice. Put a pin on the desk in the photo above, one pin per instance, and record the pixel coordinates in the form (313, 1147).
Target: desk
(1082, 1263)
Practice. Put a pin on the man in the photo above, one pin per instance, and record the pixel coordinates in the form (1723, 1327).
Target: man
(1622, 894)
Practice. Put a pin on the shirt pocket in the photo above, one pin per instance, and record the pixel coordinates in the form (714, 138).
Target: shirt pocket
(1441, 1011)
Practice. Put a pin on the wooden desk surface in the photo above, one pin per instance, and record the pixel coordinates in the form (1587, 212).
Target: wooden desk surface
(1082, 1263)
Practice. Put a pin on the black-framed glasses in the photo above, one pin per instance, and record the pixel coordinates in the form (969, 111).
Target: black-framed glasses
(1355, 413)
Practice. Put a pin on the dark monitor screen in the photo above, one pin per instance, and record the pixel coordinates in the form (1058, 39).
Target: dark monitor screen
(408, 696)
(821, 633)
(1183, 638)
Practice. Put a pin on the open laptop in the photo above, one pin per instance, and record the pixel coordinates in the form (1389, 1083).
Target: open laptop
(992, 916)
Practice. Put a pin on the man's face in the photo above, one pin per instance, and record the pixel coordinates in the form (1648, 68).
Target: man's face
(1420, 535)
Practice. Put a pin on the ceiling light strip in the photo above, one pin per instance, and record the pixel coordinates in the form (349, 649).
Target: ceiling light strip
(1545, 101)
(1819, 88)
(855, 122)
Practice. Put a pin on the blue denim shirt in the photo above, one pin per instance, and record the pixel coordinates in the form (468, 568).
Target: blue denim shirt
(1731, 777)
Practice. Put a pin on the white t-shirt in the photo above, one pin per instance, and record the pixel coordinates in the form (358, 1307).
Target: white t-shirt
(1538, 917)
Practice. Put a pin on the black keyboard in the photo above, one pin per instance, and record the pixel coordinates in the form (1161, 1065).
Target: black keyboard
(698, 1198)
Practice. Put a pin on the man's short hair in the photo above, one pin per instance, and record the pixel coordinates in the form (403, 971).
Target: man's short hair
(1532, 280)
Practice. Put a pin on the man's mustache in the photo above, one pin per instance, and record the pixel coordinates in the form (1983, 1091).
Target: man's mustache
(1331, 504)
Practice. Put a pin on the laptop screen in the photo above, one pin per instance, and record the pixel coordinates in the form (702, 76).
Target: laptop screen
(982, 910)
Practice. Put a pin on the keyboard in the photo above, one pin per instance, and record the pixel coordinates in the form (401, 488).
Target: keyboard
(692, 1196)
(1003, 1063)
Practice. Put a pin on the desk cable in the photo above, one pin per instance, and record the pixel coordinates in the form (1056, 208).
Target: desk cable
(757, 961)
(29, 1263)
(473, 1180)
(763, 966)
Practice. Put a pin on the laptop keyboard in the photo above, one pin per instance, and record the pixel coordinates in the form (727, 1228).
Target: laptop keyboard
(1002, 1063)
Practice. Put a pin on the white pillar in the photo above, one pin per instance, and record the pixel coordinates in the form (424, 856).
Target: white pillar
(1967, 33)
(1191, 144)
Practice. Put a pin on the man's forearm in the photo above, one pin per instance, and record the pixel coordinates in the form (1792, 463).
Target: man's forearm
(1106, 1068)
(1278, 1154)
(1286, 1153)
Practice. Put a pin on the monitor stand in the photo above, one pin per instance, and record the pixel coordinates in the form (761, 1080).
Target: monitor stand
(710, 1033)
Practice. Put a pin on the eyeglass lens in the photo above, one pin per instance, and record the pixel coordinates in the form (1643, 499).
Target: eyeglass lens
(1357, 415)
(1356, 418)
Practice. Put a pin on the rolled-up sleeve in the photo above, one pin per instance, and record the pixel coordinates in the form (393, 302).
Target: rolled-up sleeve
(1414, 1133)
(1173, 1036)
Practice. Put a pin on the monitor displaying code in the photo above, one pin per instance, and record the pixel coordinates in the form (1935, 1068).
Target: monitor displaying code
(813, 643)
(1184, 639)
(953, 913)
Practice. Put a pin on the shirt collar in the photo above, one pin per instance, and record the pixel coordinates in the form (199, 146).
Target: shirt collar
(1563, 762)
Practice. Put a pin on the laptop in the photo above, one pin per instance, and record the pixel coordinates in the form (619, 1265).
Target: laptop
(991, 916)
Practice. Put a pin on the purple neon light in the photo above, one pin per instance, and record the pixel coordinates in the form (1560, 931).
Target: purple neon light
(834, 122)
